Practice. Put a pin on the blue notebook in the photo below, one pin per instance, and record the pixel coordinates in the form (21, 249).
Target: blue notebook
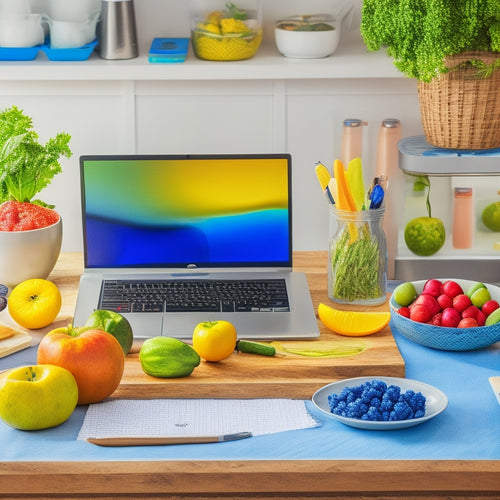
(168, 50)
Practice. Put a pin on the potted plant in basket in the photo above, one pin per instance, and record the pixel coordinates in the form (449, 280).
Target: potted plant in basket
(452, 49)
(30, 229)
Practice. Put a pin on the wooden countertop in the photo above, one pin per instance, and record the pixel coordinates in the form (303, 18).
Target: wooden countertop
(277, 479)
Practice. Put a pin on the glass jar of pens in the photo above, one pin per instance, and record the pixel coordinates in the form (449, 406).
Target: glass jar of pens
(357, 257)
(357, 249)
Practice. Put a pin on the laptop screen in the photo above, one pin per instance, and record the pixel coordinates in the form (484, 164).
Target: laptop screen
(186, 211)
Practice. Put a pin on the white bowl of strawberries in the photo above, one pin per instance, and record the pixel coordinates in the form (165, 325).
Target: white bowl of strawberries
(447, 314)
(30, 241)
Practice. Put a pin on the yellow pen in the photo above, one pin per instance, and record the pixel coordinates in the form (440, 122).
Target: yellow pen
(324, 178)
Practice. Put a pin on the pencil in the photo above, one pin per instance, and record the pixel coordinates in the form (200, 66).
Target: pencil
(165, 440)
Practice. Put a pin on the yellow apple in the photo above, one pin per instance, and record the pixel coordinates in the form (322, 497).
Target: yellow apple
(34, 303)
(37, 397)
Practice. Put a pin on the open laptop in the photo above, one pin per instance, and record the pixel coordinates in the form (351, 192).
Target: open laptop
(192, 221)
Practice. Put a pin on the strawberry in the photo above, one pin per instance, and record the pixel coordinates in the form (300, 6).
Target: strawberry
(17, 216)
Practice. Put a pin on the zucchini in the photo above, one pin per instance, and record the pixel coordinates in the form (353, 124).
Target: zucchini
(255, 348)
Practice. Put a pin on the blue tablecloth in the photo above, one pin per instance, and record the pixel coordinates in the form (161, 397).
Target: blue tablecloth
(469, 429)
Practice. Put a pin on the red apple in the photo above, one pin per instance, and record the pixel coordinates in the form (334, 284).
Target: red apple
(94, 357)
(461, 302)
(433, 287)
(451, 317)
(452, 288)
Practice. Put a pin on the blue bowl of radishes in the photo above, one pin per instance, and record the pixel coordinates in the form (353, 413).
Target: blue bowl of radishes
(449, 314)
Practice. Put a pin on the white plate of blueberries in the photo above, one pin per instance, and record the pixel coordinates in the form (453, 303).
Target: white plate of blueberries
(380, 403)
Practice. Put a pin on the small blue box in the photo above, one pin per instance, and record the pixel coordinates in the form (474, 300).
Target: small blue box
(168, 50)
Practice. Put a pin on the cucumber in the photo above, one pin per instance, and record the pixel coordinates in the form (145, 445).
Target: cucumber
(255, 348)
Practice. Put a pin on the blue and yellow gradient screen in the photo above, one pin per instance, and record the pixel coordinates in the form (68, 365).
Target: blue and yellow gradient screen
(186, 211)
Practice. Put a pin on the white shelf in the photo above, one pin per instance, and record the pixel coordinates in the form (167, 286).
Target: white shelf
(351, 60)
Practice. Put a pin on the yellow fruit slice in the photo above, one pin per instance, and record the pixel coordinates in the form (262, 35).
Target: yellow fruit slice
(353, 323)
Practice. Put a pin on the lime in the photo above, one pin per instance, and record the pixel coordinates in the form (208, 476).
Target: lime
(491, 216)
(425, 235)
(115, 324)
(167, 357)
(405, 293)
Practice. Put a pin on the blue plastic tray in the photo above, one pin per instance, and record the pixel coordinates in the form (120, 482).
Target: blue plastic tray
(19, 53)
(30, 53)
(76, 54)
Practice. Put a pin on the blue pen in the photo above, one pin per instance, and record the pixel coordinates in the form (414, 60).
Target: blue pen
(376, 196)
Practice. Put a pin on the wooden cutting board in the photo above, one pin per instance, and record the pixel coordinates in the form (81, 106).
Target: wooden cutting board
(12, 340)
(286, 375)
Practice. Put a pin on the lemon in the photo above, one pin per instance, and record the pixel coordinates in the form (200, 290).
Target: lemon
(491, 216)
(34, 303)
(424, 236)
(353, 323)
(214, 340)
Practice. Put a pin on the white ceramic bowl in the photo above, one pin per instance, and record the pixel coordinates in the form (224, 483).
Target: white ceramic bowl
(29, 254)
(444, 338)
(294, 43)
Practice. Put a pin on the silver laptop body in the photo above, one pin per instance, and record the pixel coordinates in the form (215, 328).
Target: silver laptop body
(192, 217)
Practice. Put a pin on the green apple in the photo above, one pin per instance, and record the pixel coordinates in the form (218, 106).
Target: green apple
(476, 286)
(37, 397)
(114, 323)
(493, 318)
(480, 297)
(405, 293)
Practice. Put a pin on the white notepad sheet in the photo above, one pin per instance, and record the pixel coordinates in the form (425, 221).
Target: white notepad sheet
(194, 417)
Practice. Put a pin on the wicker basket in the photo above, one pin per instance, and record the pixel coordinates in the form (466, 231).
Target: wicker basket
(460, 110)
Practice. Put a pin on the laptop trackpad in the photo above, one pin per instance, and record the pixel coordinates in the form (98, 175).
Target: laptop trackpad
(145, 325)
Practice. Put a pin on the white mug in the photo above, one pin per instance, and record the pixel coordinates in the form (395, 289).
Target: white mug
(21, 30)
(72, 34)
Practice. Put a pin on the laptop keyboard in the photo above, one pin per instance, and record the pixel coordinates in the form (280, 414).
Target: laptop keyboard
(263, 295)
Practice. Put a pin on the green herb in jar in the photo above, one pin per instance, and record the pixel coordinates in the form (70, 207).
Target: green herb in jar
(355, 265)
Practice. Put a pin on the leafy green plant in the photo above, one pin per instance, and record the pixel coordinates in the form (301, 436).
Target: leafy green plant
(26, 166)
(420, 34)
